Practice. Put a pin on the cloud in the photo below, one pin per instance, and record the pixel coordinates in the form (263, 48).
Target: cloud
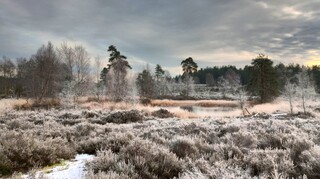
(165, 32)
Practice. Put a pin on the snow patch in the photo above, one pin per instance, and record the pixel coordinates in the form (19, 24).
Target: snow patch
(74, 169)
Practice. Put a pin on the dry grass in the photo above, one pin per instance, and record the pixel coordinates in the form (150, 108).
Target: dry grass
(201, 103)
(7, 104)
(281, 105)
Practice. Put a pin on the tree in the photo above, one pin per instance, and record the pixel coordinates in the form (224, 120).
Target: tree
(159, 72)
(67, 55)
(315, 70)
(103, 76)
(46, 75)
(145, 84)
(209, 79)
(305, 87)
(289, 90)
(264, 82)
(81, 66)
(7, 68)
(99, 88)
(189, 67)
(117, 84)
(232, 78)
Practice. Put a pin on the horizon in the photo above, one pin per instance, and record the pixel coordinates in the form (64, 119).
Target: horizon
(213, 33)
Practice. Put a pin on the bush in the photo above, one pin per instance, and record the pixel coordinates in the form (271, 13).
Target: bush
(122, 117)
(140, 159)
(145, 101)
(162, 113)
(183, 148)
(310, 162)
(22, 152)
(273, 163)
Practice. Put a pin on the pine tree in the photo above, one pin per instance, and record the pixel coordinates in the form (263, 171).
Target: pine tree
(264, 82)
(159, 72)
(117, 84)
(189, 67)
(145, 84)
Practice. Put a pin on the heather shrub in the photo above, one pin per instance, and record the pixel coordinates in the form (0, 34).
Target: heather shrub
(162, 113)
(90, 145)
(83, 129)
(226, 152)
(273, 141)
(140, 159)
(151, 160)
(115, 141)
(310, 162)
(272, 163)
(90, 114)
(124, 117)
(228, 129)
(183, 148)
(244, 147)
(22, 152)
(145, 101)
(244, 140)
(69, 115)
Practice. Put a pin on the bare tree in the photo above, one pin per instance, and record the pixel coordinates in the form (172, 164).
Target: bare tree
(81, 65)
(209, 79)
(81, 59)
(97, 61)
(99, 90)
(305, 87)
(290, 89)
(67, 55)
(46, 72)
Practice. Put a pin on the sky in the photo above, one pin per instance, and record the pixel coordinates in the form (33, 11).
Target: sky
(165, 32)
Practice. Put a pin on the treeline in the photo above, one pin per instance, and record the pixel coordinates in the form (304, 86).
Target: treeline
(212, 75)
(46, 73)
(65, 72)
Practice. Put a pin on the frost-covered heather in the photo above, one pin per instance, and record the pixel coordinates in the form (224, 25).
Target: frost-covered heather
(161, 148)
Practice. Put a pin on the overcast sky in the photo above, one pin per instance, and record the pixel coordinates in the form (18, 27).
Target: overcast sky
(165, 32)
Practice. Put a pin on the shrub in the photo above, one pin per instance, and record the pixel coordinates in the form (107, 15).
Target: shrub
(23, 152)
(183, 148)
(310, 162)
(272, 163)
(228, 129)
(273, 141)
(140, 159)
(90, 114)
(244, 140)
(124, 117)
(151, 160)
(145, 101)
(162, 113)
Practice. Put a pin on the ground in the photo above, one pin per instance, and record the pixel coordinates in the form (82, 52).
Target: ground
(211, 140)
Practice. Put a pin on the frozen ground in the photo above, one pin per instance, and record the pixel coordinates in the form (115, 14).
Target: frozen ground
(73, 169)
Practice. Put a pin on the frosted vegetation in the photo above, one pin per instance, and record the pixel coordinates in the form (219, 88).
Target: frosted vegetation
(134, 142)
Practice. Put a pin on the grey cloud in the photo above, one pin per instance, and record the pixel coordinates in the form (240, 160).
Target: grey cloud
(163, 31)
